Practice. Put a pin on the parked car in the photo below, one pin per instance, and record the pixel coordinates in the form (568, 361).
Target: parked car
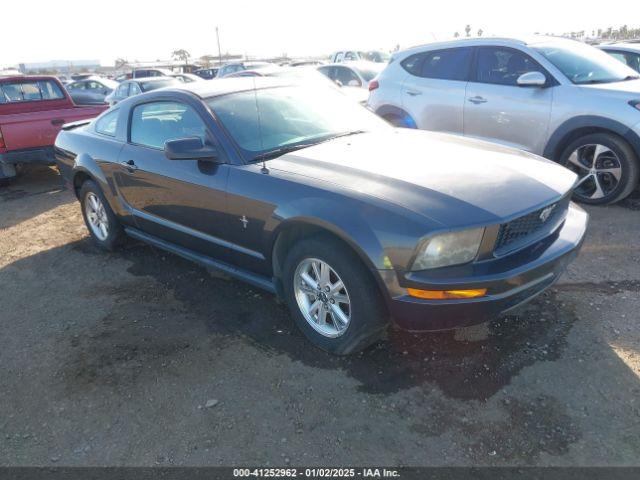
(554, 97)
(130, 88)
(309, 196)
(309, 75)
(91, 91)
(352, 74)
(144, 73)
(230, 68)
(207, 73)
(186, 77)
(377, 56)
(627, 53)
(32, 111)
(347, 56)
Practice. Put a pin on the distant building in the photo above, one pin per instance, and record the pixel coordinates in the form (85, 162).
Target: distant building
(61, 66)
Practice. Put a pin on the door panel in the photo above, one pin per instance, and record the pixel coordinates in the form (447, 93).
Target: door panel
(433, 92)
(496, 109)
(182, 201)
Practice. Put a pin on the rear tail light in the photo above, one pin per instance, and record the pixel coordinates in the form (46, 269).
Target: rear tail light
(2, 144)
(373, 84)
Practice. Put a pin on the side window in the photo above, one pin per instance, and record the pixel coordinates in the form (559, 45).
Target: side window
(31, 91)
(50, 90)
(152, 124)
(449, 64)
(327, 71)
(346, 76)
(12, 92)
(339, 57)
(75, 86)
(503, 66)
(350, 56)
(108, 123)
(123, 90)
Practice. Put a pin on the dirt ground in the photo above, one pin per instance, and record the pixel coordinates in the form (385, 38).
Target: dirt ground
(140, 358)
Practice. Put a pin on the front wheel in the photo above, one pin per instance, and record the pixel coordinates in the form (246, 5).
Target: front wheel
(332, 296)
(606, 165)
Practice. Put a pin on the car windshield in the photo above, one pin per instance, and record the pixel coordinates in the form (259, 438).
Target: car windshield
(155, 84)
(268, 122)
(584, 64)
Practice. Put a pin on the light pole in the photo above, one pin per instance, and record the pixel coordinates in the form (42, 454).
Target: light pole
(219, 51)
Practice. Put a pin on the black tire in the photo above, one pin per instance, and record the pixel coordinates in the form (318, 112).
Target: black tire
(628, 163)
(368, 316)
(115, 232)
(397, 121)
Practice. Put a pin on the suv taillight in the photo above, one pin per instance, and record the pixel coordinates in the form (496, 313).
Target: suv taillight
(2, 144)
(373, 84)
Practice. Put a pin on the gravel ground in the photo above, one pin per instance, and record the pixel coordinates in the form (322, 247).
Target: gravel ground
(140, 358)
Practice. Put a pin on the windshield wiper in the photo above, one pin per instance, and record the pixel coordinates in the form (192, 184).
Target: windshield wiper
(278, 152)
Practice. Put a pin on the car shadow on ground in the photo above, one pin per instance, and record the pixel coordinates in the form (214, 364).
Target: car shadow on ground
(36, 181)
(462, 368)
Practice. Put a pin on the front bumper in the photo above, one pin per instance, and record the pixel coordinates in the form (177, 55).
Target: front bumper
(510, 281)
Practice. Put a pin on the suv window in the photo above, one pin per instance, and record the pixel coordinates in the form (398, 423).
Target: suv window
(503, 66)
(108, 123)
(152, 124)
(134, 89)
(122, 91)
(449, 64)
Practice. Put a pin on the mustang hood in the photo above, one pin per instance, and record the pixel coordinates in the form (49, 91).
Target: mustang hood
(450, 179)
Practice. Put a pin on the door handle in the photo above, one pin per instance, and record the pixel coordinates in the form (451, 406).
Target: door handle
(477, 99)
(129, 165)
(57, 121)
(413, 93)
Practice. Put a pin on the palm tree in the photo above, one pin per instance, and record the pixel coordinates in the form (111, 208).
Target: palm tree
(467, 29)
(181, 55)
(480, 32)
(456, 35)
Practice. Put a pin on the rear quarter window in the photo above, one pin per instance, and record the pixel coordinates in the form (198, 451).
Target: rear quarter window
(108, 123)
(448, 64)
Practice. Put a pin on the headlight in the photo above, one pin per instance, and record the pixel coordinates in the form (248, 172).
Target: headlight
(448, 249)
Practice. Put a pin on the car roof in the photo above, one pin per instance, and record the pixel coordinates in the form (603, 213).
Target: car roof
(479, 41)
(225, 86)
(27, 78)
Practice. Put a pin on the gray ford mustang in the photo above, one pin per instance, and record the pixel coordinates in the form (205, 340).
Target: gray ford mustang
(308, 195)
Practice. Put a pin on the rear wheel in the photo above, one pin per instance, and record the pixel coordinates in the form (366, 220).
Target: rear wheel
(332, 296)
(606, 165)
(103, 226)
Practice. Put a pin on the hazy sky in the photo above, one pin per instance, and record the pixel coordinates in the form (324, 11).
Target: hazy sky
(40, 30)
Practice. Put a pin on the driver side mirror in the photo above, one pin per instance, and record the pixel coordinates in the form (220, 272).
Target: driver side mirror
(532, 79)
(338, 82)
(191, 148)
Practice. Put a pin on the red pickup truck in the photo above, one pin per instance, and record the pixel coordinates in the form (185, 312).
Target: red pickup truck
(32, 112)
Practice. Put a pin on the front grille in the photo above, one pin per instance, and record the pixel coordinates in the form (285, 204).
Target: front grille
(530, 227)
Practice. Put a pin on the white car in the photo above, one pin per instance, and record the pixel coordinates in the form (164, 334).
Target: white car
(558, 98)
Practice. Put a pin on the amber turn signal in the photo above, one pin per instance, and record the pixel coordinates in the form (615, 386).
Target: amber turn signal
(446, 294)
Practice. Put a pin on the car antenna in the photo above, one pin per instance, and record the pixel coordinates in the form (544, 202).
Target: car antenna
(264, 168)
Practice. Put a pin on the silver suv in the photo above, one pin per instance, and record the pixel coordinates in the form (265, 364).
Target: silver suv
(558, 98)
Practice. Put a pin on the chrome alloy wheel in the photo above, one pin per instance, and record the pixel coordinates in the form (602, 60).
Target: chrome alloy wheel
(598, 168)
(96, 216)
(322, 297)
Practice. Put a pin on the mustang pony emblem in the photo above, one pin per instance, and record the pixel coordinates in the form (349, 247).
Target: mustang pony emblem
(546, 213)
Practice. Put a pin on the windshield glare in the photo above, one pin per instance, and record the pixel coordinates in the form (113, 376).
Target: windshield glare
(264, 120)
(583, 64)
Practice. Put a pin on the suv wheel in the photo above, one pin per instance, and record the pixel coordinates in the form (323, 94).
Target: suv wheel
(333, 298)
(101, 222)
(606, 166)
